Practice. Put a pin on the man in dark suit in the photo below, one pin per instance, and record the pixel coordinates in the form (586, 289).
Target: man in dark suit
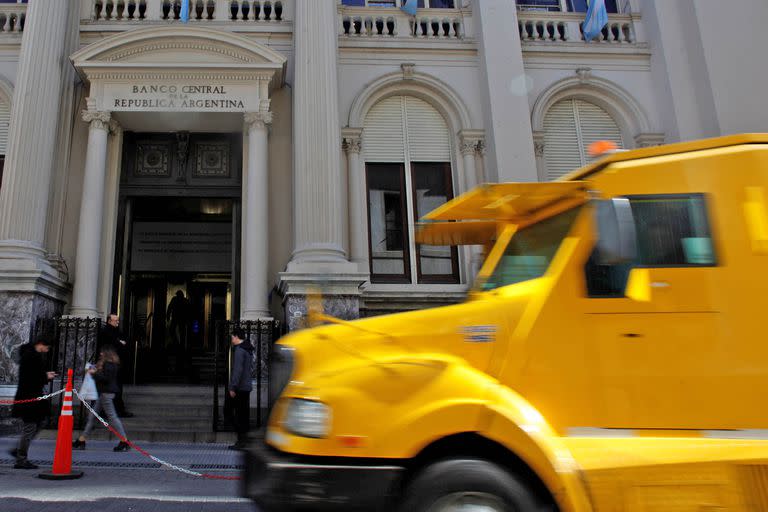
(33, 376)
(110, 336)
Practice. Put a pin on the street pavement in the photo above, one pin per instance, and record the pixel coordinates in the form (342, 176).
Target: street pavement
(124, 481)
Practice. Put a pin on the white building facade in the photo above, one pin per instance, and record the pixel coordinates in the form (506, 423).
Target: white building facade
(268, 148)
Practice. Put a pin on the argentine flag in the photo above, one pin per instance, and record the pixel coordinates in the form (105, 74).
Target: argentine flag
(184, 14)
(409, 7)
(597, 18)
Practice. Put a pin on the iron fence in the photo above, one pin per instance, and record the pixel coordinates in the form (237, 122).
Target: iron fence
(262, 335)
(73, 345)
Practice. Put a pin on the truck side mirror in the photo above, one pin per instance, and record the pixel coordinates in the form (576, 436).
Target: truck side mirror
(616, 237)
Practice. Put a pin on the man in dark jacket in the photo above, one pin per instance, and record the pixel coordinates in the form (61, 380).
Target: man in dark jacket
(32, 379)
(111, 337)
(241, 385)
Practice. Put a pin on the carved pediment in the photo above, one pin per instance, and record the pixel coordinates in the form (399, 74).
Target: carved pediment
(175, 48)
(180, 50)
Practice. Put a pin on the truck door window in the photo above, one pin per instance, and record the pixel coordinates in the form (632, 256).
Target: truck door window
(672, 231)
(531, 250)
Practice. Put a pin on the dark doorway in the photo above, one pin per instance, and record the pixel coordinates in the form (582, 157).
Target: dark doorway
(177, 263)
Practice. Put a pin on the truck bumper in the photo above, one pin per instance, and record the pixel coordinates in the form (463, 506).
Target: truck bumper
(277, 481)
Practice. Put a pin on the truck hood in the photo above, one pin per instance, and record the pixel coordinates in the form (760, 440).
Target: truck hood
(476, 332)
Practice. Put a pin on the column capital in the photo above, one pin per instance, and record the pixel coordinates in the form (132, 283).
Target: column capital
(538, 143)
(471, 141)
(352, 143)
(260, 119)
(98, 119)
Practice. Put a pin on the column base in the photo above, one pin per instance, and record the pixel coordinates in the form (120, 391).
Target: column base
(30, 289)
(341, 291)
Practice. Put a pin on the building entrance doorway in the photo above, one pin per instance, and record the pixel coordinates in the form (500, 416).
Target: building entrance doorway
(177, 264)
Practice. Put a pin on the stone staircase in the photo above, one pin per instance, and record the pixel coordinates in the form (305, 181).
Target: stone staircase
(167, 413)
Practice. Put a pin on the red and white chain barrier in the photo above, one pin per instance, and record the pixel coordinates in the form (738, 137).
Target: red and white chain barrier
(29, 400)
(147, 454)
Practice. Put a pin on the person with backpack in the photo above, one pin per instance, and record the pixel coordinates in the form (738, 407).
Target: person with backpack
(33, 376)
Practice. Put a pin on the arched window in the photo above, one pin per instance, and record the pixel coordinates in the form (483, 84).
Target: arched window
(570, 126)
(407, 151)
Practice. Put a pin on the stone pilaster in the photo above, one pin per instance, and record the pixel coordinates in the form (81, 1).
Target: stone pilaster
(30, 287)
(358, 212)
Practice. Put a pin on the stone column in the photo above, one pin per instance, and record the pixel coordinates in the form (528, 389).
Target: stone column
(30, 287)
(320, 189)
(358, 214)
(254, 258)
(504, 92)
(318, 219)
(85, 294)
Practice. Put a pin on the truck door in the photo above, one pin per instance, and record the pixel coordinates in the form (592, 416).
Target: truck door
(659, 360)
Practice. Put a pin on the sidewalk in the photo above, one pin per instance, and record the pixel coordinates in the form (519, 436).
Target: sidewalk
(124, 481)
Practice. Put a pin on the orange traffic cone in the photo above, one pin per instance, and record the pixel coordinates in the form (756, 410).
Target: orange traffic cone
(62, 459)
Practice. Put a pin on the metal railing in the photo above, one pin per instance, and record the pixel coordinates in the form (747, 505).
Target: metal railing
(200, 11)
(12, 18)
(262, 335)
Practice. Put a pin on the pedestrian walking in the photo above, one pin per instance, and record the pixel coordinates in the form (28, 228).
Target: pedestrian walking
(111, 336)
(32, 379)
(240, 386)
(105, 374)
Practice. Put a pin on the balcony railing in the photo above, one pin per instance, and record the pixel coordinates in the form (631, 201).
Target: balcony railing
(560, 27)
(391, 23)
(200, 11)
(12, 17)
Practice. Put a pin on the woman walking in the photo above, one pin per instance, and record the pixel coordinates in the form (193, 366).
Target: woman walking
(106, 376)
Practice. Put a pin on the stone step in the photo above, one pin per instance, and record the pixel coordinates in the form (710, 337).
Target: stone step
(165, 436)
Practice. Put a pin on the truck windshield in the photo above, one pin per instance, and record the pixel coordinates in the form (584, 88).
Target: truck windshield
(530, 251)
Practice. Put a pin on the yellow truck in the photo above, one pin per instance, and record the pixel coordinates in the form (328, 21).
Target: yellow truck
(612, 356)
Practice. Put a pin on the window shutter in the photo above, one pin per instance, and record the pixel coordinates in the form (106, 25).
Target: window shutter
(5, 121)
(428, 137)
(383, 132)
(561, 141)
(570, 127)
(596, 124)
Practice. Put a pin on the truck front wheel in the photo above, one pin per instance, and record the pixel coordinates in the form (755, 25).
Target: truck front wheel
(470, 485)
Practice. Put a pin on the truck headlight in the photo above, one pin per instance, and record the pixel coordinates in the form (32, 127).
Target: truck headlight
(307, 418)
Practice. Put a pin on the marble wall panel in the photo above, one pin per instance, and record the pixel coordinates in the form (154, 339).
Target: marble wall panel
(20, 312)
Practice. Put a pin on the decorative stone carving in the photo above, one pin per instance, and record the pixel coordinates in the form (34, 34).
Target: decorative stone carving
(352, 144)
(538, 143)
(408, 68)
(212, 160)
(261, 119)
(182, 153)
(584, 74)
(97, 119)
(469, 147)
(645, 140)
(152, 160)
(481, 147)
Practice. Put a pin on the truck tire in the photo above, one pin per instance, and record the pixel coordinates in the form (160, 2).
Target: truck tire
(456, 484)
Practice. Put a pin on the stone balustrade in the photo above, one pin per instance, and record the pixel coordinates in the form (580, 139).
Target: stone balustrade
(200, 11)
(560, 27)
(388, 23)
(12, 18)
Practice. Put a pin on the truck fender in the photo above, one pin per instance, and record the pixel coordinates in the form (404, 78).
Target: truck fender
(511, 421)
